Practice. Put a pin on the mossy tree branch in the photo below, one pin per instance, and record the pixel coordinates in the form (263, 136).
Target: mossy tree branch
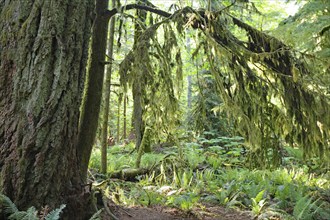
(112, 12)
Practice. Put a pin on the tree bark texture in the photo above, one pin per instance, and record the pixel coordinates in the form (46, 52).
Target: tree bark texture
(43, 55)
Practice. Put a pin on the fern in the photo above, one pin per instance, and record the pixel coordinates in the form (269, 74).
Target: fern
(30, 214)
(55, 214)
(10, 209)
(305, 208)
(8, 206)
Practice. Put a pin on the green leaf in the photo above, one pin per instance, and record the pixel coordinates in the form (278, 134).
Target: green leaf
(9, 206)
(30, 214)
(259, 196)
(55, 214)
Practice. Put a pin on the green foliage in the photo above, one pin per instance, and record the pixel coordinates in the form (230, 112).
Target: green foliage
(186, 202)
(306, 27)
(246, 79)
(118, 158)
(155, 62)
(306, 208)
(210, 174)
(202, 118)
(274, 97)
(266, 90)
(31, 213)
(55, 214)
(258, 203)
(7, 205)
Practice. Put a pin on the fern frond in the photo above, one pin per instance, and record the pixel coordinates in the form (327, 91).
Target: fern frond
(55, 214)
(30, 214)
(8, 206)
(17, 215)
(305, 208)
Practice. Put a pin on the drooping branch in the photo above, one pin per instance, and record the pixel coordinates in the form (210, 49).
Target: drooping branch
(112, 12)
(259, 69)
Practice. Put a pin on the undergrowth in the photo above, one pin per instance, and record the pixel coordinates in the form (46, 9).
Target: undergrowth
(214, 172)
(9, 209)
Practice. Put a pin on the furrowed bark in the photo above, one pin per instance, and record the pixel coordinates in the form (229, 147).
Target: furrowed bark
(43, 57)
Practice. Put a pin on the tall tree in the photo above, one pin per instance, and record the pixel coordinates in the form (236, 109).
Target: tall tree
(138, 87)
(93, 88)
(120, 99)
(125, 116)
(43, 55)
(107, 93)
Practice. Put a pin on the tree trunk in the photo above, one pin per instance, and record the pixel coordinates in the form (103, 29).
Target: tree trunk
(120, 98)
(137, 88)
(125, 117)
(189, 77)
(137, 113)
(44, 49)
(189, 92)
(145, 146)
(93, 91)
(107, 94)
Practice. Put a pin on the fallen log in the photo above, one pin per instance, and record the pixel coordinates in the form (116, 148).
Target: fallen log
(129, 174)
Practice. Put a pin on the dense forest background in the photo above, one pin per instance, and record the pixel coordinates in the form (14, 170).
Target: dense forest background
(196, 105)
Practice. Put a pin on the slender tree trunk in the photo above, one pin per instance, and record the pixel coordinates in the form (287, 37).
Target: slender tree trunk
(189, 77)
(189, 91)
(120, 98)
(125, 117)
(93, 91)
(107, 94)
(43, 55)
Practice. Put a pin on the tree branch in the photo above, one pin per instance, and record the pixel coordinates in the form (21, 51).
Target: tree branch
(110, 13)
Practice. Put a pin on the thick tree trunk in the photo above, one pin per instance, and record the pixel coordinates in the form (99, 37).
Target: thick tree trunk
(43, 54)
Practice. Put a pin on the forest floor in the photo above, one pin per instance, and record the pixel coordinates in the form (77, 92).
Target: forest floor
(209, 212)
(207, 183)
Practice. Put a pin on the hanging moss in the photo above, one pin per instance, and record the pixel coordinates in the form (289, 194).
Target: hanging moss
(261, 69)
(265, 85)
(157, 64)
